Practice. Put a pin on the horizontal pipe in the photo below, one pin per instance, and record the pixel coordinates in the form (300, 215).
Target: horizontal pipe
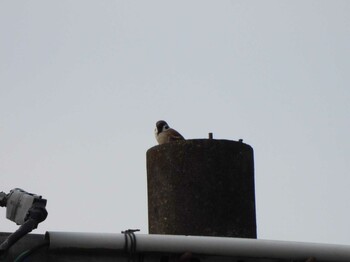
(78, 240)
(219, 246)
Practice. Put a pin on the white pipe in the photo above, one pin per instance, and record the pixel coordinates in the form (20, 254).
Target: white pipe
(218, 246)
(75, 240)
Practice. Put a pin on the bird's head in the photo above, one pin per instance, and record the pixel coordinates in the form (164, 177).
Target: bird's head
(161, 125)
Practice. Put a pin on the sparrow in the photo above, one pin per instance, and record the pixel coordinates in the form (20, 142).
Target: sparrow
(165, 134)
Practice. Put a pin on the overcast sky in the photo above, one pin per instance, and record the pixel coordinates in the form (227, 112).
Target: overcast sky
(83, 82)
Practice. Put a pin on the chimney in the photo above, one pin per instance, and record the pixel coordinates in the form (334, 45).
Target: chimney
(202, 187)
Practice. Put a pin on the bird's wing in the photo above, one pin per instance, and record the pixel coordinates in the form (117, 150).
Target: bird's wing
(174, 135)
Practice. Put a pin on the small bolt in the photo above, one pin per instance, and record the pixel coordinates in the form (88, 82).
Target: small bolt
(210, 135)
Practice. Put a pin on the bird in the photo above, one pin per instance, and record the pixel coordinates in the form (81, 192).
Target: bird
(165, 134)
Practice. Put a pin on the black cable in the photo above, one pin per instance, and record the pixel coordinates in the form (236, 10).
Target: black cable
(29, 252)
(24, 229)
(130, 234)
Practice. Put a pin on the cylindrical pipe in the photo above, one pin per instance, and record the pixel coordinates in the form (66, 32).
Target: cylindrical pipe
(75, 240)
(202, 187)
(217, 246)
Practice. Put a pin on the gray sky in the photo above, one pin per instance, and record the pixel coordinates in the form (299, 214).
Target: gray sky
(82, 84)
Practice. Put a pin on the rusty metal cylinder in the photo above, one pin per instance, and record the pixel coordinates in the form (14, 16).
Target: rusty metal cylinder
(202, 187)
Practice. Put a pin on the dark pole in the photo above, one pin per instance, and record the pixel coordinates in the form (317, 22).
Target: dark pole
(201, 187)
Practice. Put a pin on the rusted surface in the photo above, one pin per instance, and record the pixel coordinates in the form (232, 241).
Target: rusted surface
(201, 187)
